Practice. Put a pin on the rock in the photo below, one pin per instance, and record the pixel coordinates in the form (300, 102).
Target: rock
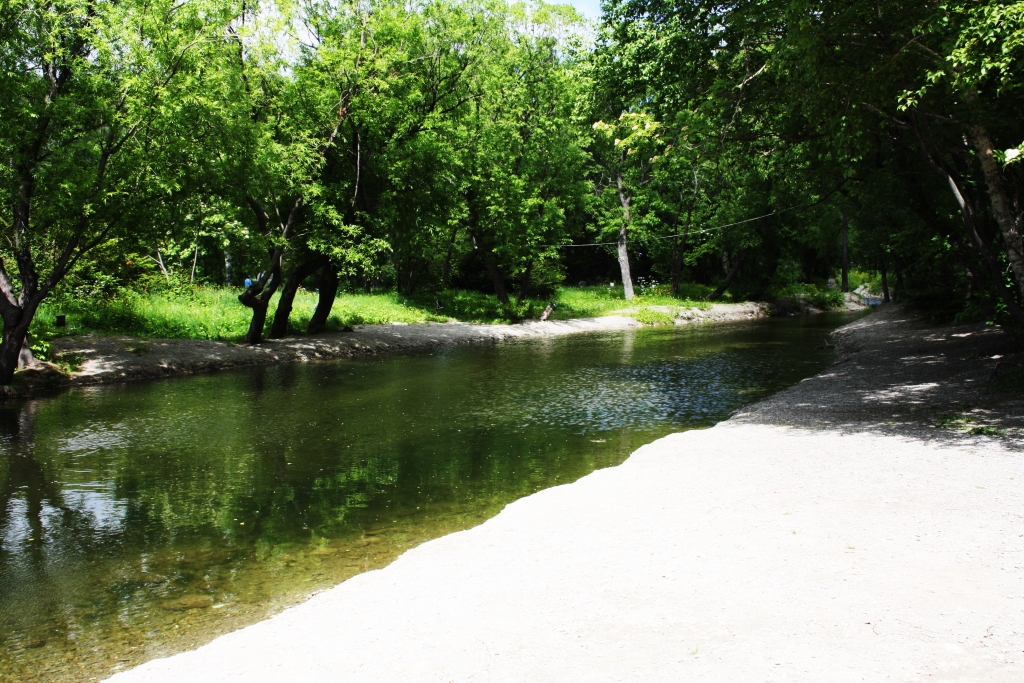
(785, 307)
(1006, 369)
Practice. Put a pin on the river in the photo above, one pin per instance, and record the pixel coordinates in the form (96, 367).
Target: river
(144, 519)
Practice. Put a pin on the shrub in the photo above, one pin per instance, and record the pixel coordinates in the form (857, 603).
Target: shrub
(820, 297)
(648, 316)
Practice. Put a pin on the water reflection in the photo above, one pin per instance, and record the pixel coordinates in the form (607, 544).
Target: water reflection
(144, 519)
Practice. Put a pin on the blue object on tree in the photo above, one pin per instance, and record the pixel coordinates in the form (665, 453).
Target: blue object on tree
(248, 283)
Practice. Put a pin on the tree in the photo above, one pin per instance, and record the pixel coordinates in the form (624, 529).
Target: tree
(626, 150)
(859, 94)
(522, 164)
(97, 101)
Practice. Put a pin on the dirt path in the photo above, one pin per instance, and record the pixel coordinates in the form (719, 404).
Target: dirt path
(753, 551)
(899, 375)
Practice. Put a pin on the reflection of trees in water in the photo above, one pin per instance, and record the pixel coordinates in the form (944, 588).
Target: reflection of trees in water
(179, 515)
(26, 482)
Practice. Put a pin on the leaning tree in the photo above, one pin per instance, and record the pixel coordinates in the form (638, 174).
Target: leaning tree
(99, 104)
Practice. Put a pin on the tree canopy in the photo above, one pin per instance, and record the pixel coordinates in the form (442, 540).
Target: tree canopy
(748, 146)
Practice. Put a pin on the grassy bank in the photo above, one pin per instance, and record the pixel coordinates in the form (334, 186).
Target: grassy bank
(215, 313)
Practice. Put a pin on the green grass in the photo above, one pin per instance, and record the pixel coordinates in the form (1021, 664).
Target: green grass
(592, 302)
(968, 425)
(649, 316)
(215, 313)
(207, 313)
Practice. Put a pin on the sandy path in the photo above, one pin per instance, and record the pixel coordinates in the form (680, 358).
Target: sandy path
(740, 553)
(747, 552)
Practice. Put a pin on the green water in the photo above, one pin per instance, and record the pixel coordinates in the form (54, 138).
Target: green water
(145, 519)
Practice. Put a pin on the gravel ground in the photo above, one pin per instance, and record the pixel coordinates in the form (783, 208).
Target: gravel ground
(108, 359)
(898, 375)
(814, 537)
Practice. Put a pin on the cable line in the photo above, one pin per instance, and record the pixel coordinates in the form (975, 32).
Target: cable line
(701, 232)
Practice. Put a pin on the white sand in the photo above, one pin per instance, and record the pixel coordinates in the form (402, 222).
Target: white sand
(739, 553)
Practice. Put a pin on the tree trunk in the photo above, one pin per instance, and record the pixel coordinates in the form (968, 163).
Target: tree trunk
(524, 283)
(677, 254)
(485, 251)
(492, 269)
(766, 281)
(279, 328)
(885, 281)
(496, 277)
(898, 266)
(846, 253)
(328, 290)
(447, 269)
(410, 282)
(257, 297)
(994, 267)
(254, 335)
(733, 272)
(1007, 216)
(228, 271)
(967, 213)
(627, 279)
(15, 334)
(676, 265)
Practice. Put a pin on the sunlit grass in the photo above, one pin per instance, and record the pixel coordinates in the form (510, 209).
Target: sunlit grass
(215, 313)
(590, 302)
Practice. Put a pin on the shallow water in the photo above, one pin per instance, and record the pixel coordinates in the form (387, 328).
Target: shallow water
(140, 520)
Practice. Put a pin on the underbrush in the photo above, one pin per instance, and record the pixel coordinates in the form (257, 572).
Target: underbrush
(820, 297)
(873, 280)
(215, 312)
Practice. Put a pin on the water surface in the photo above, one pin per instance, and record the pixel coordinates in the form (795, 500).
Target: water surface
(140, 520)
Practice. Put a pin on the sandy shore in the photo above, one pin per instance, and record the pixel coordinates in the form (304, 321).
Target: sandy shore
(795, 542)
(109, 359)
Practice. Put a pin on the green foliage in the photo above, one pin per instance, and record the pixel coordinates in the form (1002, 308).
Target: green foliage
(443, 149)
(41, 348)
(857, 278)
(809, 130)
(650, 316)
(821, 297)
(968, 425)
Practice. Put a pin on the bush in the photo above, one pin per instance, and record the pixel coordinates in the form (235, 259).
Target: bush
(820, 297)
(828, 298)
(649, 316)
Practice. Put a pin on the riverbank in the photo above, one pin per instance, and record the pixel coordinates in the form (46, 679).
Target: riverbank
(897, 375)
(101, 359)
(794, 542)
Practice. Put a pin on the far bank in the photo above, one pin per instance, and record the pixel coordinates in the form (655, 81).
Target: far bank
(105, 359)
